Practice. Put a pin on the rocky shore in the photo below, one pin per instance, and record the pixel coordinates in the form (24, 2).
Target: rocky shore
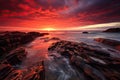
(86, 62)
(12, 40)
(8, 72)
(113, 30)
(12, 54)
(92, 62)
(113, 43)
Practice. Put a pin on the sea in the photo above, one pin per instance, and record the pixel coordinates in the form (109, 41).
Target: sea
(60, 68)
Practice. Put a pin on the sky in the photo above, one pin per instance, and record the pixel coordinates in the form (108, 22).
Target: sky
(58, 14)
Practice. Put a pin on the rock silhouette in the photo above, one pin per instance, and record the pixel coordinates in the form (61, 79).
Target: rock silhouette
(85, 32)
(115, 30)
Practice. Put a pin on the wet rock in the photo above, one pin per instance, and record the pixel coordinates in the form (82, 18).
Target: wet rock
(8, 72)
(12, 40)
(16, 57)
(94, 63)
(47, 39)
(55, 38)
(115, 30)
(110, 42)
(35, 34)
(15, 75)
(2, 50)
(5, 70)
(87, 70)
(85, 32)
(118, 47)
(11, 57)
(35, 73)
(30, 36)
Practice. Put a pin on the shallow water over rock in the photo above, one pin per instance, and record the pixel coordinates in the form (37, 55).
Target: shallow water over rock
(57, 67)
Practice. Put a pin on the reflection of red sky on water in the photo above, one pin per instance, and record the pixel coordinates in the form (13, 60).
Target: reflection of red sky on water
(37, 50)
(40, 43)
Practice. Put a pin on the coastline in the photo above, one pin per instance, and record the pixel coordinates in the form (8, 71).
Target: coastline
(81, 58)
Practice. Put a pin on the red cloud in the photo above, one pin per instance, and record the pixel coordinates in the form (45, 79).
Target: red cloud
(24, 7)
(60, 14)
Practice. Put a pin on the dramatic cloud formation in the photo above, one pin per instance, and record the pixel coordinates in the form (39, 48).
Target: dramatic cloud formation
(38, 14)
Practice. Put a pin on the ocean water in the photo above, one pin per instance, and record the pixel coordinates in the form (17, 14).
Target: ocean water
(79, 36)
(59, 68)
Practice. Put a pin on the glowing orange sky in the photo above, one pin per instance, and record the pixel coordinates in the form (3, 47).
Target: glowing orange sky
(58, 14)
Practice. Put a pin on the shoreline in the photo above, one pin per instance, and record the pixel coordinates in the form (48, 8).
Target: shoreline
(83, 59)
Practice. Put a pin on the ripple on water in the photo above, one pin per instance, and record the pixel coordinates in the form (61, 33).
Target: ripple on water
(59, 68)
(56, 66)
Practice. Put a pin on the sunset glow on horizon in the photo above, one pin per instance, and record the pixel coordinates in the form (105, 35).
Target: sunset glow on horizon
(56, 14)
(48, 29)
(59, 39)
(55, 28)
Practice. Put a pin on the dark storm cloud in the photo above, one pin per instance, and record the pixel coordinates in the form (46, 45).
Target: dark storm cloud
(91, 5)
(51, 3)
(9, 5)
(82, 12)
(93, 11)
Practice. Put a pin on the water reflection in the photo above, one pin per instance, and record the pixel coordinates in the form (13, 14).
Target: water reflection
(57, 67)
(37, 51)
(60, 69)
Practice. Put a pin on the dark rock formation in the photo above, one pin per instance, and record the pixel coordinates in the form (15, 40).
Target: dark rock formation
(85, 32)
(94, 63)
(49, 39)
(112, 30)
(12, 40)
(35, 73)
(30, 36)
(113, 43)
(7, 72)
(11, 56)
(55, 38)
(15, 57)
